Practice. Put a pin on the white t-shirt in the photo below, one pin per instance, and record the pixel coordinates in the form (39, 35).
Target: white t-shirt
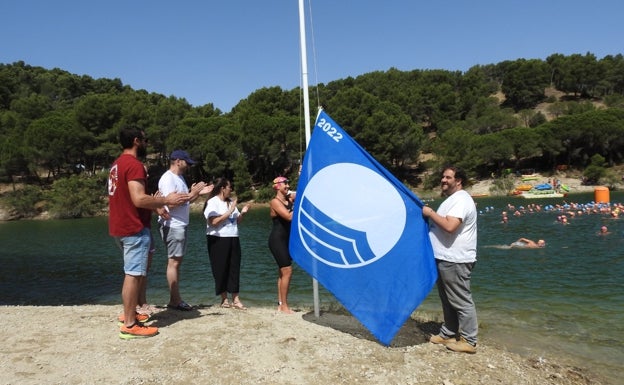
(170, 182)
(216, 208)
(461, 245)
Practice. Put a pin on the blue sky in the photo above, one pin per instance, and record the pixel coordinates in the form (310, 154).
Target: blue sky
(219, 52)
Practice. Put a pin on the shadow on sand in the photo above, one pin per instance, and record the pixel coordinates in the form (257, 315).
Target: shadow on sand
(412, 332)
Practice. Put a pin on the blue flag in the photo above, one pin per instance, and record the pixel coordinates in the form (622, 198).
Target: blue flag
(360, 232)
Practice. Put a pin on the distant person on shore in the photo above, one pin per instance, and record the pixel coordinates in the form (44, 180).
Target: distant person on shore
(224, 250)
(130, 210)
(173, 227)
(453, 234)
(528, 244)
(281, 211)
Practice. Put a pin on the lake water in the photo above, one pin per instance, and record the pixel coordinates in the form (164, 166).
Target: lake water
(566, 300)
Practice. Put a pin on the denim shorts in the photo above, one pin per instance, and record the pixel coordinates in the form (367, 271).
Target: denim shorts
(135, 251)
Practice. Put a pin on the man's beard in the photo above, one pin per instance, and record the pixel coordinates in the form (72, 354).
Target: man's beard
(141, 152)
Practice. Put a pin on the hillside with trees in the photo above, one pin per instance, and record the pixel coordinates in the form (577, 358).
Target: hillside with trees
(60, 129)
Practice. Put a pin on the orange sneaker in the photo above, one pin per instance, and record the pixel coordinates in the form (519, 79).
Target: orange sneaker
(139, 317)
(137, 330)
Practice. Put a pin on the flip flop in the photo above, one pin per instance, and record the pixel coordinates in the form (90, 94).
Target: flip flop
(183, 306)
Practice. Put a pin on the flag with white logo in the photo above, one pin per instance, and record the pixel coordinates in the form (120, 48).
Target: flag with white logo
(360, 232)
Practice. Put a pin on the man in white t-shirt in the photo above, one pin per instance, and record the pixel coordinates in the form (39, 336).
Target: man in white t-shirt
(453, 234)
(173, 229)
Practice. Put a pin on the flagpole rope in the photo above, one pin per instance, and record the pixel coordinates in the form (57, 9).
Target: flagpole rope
(314, 61)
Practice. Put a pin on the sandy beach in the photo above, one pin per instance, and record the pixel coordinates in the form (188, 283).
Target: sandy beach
(483, 187)
(211, 345)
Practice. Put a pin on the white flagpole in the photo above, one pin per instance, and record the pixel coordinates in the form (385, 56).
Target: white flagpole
(304, 72)
(306, 113)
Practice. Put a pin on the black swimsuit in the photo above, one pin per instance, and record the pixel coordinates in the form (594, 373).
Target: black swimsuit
(278, 240)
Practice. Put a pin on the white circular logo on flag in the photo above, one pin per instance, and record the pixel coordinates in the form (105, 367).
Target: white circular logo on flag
(350, 216)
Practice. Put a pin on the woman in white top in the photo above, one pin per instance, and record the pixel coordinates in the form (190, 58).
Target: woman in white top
(224, 251)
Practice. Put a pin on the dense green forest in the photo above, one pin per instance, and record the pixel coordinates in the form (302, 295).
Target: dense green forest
(543, 114)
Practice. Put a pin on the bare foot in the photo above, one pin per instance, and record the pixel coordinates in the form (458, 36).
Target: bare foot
(145, 309)
(284, 309)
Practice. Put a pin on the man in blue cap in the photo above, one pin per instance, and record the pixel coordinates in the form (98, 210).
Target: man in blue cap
(173, 228)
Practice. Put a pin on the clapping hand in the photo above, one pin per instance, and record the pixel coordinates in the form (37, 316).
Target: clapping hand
(206, 188)
(177, 199)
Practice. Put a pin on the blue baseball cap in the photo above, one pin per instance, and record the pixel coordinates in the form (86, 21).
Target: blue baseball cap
(180, 154)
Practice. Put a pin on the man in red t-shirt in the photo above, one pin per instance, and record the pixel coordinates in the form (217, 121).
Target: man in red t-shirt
(130, 210)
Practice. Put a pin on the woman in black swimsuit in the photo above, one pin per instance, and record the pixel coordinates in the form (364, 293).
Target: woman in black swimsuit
(281, 214)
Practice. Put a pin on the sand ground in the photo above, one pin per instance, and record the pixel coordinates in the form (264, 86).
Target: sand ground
(211, 345)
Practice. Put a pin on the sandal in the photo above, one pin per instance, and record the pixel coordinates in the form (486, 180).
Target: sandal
(183, 306)
(225, 303)
(239, 305)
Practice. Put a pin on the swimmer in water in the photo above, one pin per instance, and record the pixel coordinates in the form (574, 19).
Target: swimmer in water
(529, 244)
(604, 231)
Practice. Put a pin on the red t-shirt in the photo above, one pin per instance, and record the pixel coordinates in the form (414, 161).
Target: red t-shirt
(124, 218)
